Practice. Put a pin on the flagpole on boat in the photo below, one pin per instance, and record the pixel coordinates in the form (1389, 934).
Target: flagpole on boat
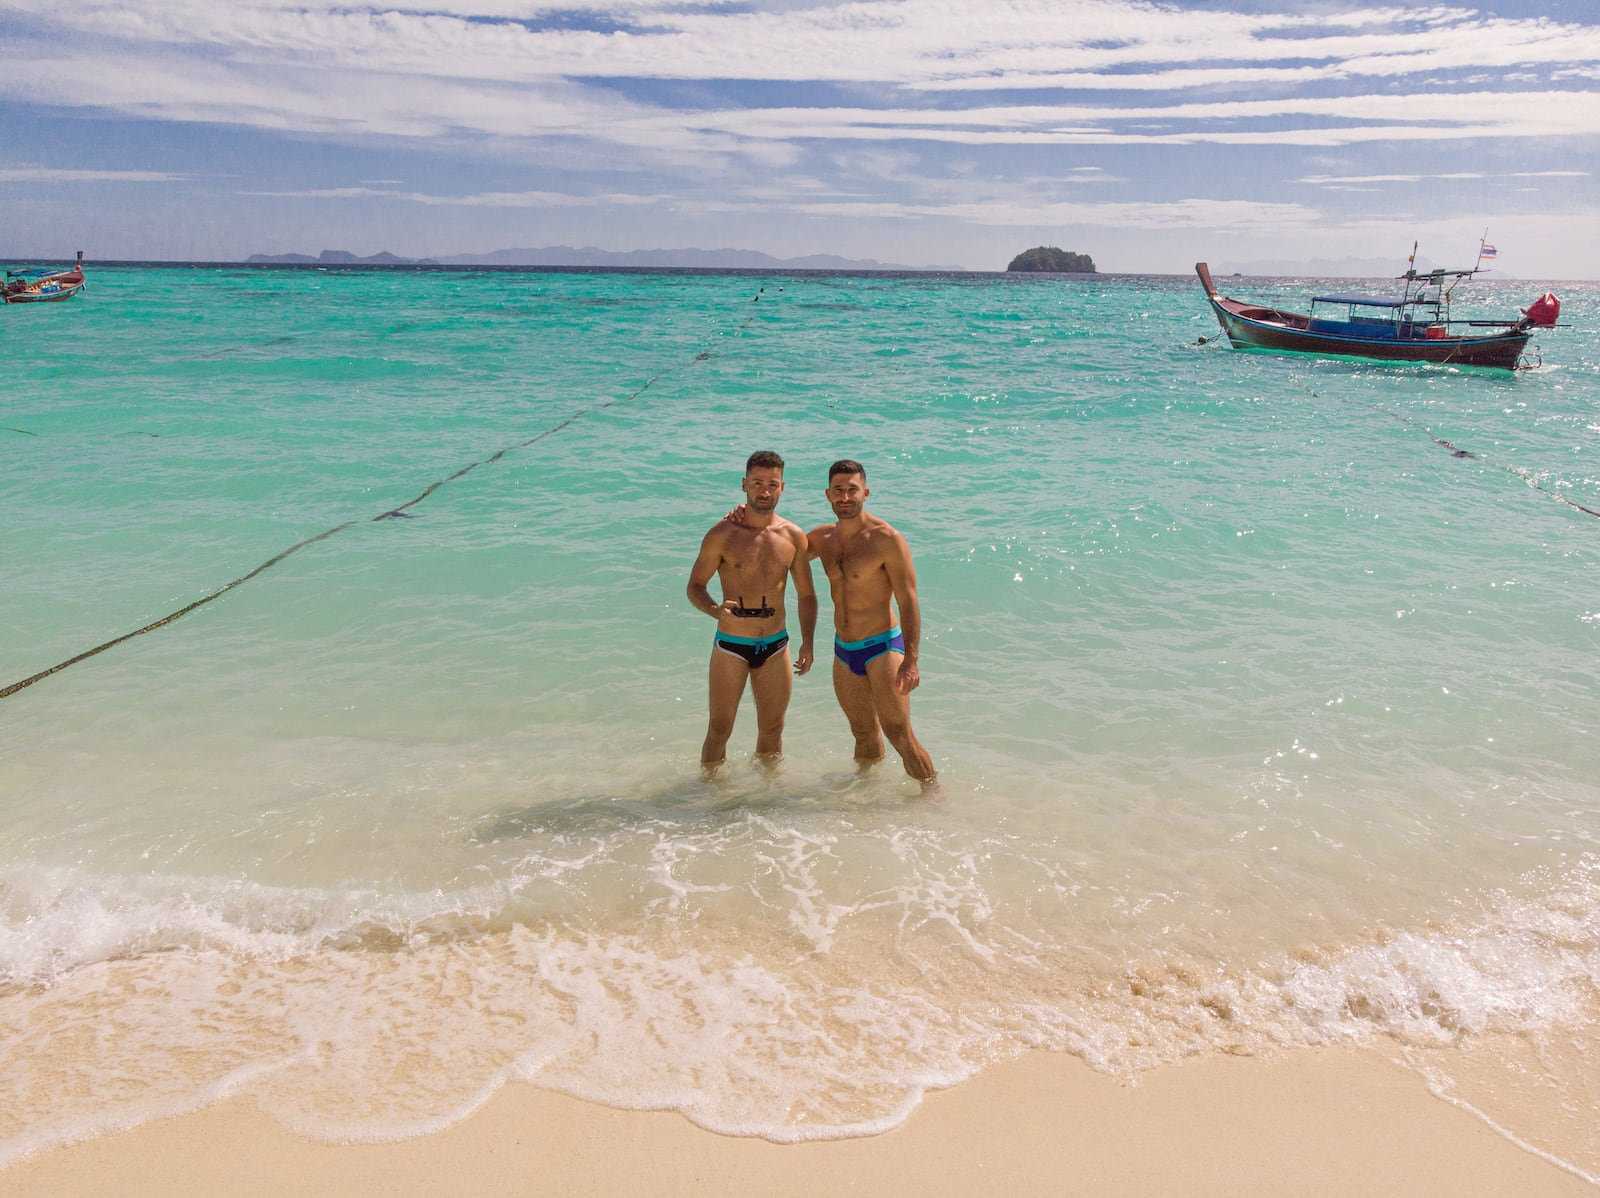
(1481, 242)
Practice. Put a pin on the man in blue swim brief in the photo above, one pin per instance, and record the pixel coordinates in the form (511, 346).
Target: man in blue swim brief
(874, 658)
(856, 654)
(754, 559)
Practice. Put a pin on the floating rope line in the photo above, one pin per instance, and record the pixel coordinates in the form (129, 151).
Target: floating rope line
(393, 513)
(1527, 476)
(23, 431)
(1455, 451)
(218, 354)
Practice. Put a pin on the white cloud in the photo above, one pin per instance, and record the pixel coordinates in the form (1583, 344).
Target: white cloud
(494, 77)
(907, 42)
(1332, 179)
(1429, 116)
(52, 174)
(1174, 80)
(1230, 215)
(484, 199)
(328, 193)
(166, 86)
(483, 68)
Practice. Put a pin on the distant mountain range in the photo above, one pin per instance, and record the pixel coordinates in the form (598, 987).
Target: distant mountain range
(566, 255)
(341, 258)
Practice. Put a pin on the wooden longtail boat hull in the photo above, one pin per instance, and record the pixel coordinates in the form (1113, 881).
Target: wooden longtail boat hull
(65, 291)
(42, 286)
(1257, 327)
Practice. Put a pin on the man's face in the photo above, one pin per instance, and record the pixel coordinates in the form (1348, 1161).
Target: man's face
(847, 495)
(762, 486)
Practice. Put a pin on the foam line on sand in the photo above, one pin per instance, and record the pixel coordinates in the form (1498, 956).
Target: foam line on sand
(1318, 1121)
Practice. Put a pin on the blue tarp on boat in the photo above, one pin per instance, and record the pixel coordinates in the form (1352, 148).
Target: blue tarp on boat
(1365, 301)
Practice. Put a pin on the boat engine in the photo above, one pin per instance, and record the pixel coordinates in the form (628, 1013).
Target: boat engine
(1543, 312)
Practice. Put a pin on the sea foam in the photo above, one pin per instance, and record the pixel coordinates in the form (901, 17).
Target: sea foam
(351, 1017)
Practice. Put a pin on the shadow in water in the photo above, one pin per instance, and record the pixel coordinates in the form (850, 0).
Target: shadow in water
(693, 804)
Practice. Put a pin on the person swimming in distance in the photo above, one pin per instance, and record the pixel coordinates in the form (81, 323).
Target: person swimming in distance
(753, 558)
(875, 667)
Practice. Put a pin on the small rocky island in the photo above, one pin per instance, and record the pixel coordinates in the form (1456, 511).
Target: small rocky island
(1051, 259)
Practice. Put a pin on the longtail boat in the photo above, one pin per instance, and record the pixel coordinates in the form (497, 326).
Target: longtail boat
(1414, 326)
(43, 286)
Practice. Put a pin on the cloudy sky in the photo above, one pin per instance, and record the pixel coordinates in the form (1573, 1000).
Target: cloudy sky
(923, 131)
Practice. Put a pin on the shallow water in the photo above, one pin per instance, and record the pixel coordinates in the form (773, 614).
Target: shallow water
(1261, 718)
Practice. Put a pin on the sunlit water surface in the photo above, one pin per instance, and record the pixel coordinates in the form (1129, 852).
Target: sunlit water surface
(1262, 719)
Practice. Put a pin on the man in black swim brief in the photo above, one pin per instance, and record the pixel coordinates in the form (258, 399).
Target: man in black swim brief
(753, 559)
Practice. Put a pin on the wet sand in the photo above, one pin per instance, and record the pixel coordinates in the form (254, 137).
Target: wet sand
(1320, 1121)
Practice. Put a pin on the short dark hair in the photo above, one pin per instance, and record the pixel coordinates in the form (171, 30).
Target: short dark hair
(847, 466)
(763, 457)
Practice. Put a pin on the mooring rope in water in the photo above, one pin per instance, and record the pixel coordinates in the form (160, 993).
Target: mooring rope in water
(392, 513)
(1527, 476)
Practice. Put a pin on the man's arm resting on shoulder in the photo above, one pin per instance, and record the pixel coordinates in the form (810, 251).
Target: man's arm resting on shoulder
(705, 565)
(806, 600)
(903, 577)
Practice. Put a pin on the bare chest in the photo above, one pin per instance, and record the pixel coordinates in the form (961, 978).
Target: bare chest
(855, 560)
(760, 554)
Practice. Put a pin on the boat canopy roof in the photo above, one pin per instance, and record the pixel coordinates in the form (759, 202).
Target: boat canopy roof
(1364, 301)
(34, 274)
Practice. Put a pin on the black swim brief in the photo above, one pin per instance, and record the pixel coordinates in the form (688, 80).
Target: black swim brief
(754, 649)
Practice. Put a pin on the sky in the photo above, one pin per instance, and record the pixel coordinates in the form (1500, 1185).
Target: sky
(1147, 134)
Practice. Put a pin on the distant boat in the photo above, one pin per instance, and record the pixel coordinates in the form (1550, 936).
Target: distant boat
(1414, 326)
(43, 285)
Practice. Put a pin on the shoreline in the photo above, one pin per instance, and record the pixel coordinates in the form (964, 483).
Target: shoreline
(1319, 1120)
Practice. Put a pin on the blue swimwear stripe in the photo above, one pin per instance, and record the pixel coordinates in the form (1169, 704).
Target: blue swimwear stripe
(883, 638)
(760, 642)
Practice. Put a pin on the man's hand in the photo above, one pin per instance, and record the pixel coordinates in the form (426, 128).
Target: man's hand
(737, 515)
(908, 678)
(802, 662)
(728, 607)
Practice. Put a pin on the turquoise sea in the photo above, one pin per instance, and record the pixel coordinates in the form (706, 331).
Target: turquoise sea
(1263, 719)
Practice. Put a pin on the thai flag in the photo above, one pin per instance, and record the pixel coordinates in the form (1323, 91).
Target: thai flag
(1488, 251)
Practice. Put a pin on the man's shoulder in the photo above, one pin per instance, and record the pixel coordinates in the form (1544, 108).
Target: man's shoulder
(799, 534)
(821, 532)
(888, 532)
(721, 531)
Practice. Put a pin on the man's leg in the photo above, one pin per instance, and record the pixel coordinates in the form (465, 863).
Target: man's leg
(855, 697)
(771, 686)
(894, 714)
(727, 687)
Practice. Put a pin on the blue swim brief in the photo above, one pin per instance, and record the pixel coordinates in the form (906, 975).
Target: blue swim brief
(755, 650)
(856, 654)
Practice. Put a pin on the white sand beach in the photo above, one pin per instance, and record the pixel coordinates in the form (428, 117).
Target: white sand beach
(1342, 1121)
